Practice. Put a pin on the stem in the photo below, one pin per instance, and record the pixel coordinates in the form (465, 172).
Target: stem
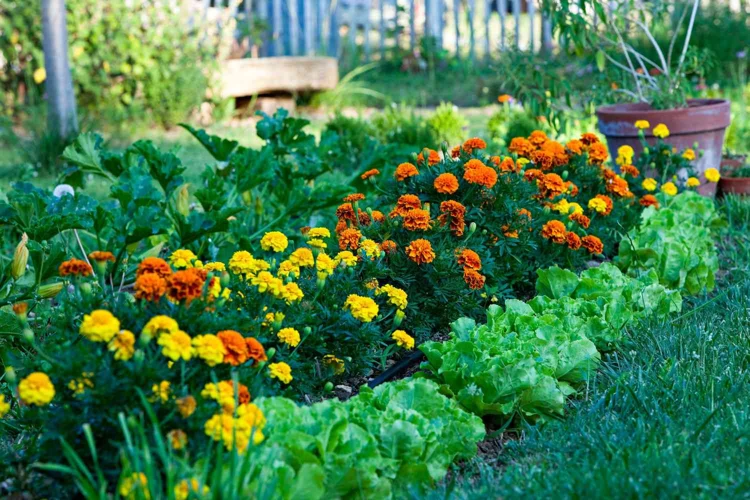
(688, 35)
(674, 37)
(85, 257)
(659, 52)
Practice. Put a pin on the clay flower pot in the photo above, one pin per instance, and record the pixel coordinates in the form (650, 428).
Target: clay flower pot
(704, 122)
(733, 185)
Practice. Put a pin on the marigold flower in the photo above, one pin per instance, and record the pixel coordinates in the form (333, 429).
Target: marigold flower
(255, 350)
(378, 216)
(388, 246)
(351, 198)
(242, 262)
(123, 345)
(456, 152)
(456, 212)
(503, 98)
(433, 157)
(554, 231)
(624, 155)
(218, 267)
(176, 345)
(669, 188)
(506, 165)
(302, 257)
(693, 182)
(362, 308)
(520, 146)
(396, 296)
(630, 170)
(589, 139)
(236, 349)
(130, 485)
(474, 279)
(403, 339)
(75, 267)
(349, 239)
(601, 204)
(688, 154)
(347, 257)
(649, 184)
(417, 220)
(36, 389)
(524, 212)
(267, 282)
(649, 200)
(598, 153)
(291, 292)
(551, 185)
(182, 259)
(185, 285)
(186, 406)
(289, 336)
(474, 143)
(537, 138)
(99, 256)
(158, 325)
(370, 173)
(712, 175)
(371, 249)
(484, 176)
(406, 170)
(661, 131)
(581, 219)
(619, 186)
(209, 348)
(4, 406)
(318, 232)
(592, 244)
(469, 259)
(281, 371)
(184, 489)
(446, 183)
(642, 124)
(534, 174)
(508, 233)
(543, 159)
(274, 241)
(420, 251)
(154, 265)
(404, 204)
(573, 240)
(575, 146)
(345, 211)
(557, 150)
(79, 385)
(223, 393)
(150, 287)
(335, 363)
(162, 391)
(99, 326)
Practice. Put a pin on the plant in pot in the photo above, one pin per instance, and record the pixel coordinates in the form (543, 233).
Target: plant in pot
(653, 81)
(735, 180)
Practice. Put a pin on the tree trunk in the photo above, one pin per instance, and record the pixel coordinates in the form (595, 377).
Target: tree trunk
(61, 108)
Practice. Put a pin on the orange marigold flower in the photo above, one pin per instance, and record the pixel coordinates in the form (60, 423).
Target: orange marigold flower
(508, 233)
(649, 200)
(524, 212)
(473, 279)
(75, 267)
(630, 170)
(542, 159)
(420, 251)
(237, 351)
(417, 220)
(404, 204)
(571, 188)
(469, 259)
(154, 265)
(364, 218)
(433, 157)
(378, 216)
(474, 163)
(474, 143)
(507, 165)
(574, 241)
(575, 146)
(388, 246)
(340, 226)
(456, 152)
(619, 186)
(186, 285)
(593, 244)
(255, 350)
(406, 170)
(503, 98)
(607, 201)
(345, 212)
(581, 219)
(557, 150)
(370, 173)
(537, 138)
(99, 256)
(533, 174)
(608, 173)
(354, 197)
(598, 153)
(150, 286)
(484, 176)
(588, 139)
(520, 146)
(446, 183)
(554, 231)
(349, 239)
(551, 185)
(456, 212)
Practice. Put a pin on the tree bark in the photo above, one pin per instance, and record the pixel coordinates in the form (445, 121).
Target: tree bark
(61, 103)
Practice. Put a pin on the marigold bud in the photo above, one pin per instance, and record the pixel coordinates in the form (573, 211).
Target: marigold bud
(10, 375)
(28, 335)
(182, 201)
(20, 259)
(398, 318)
(50, 290)
(472, 227)
(270, 352)
(565, 175)
(328, 387)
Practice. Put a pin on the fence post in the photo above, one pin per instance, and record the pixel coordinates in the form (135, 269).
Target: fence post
(487, 14)
(294, 27)
(263, 15)
(381, 27)
(517, 21)
(278, 46)
(456, 22)
(470, 11)
(308, 26)
(546, 34)
(412, 32)
(503, 7)
(368, 25)
(531, 11)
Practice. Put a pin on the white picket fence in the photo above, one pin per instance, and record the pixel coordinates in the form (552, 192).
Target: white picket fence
(370, 29)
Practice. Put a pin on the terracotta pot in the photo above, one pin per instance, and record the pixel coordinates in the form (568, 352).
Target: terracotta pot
(733, 185)
(703, 122)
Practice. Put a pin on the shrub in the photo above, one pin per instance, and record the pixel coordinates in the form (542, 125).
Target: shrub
(447, 123)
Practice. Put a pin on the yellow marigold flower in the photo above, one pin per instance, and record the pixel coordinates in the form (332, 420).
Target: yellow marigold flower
(281, 371)
(575, 208)
(403, 339)
(40, 74)
(36, 389)
(712, 175)
(221, 392)
(597, 205)
(626, 152)
(396, 296)
(661, 131)
(274, 241)
(184, 488)
(362, 308)
(186, 406)
(215, 266)
(99, 326)
(123, 345)
(317, 243)
(80, 384)
(162, 391)
(521, 162)
(267, 282)
(302, 257)
(335, 363)
(242, 262)
(182, 259)
(371, 248)
(325, 264)
(131, 485)
(642, 124)
(289, 336)
(233, 432)
(4, 406)
(347, 257)
(291, 292)
(287, 268)
(562, 206)
(669, 188)
(177, 439)
(158, 325)
(319, 232)
(688, 154)
(693, 182)
(649, 184)
(209, 348)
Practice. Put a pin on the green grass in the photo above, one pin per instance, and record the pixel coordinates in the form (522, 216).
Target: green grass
(667, 416)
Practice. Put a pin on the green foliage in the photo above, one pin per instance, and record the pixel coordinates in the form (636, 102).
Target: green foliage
(447, 123)
(675, 241)
(399, 124)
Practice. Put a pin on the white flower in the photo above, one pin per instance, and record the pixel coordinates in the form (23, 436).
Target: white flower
(63, 189)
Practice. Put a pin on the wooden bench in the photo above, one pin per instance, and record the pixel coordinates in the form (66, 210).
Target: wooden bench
(278, 75)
